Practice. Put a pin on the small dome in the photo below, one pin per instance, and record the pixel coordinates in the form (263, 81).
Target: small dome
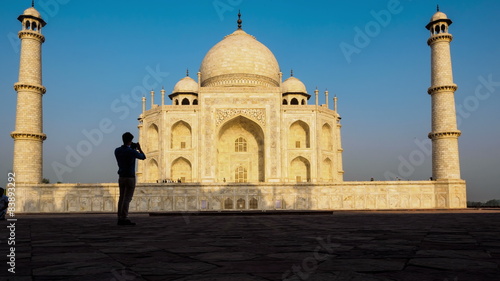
(239, 60)
(293, 85)
(186, 85)
(439, 16)
(32, 12)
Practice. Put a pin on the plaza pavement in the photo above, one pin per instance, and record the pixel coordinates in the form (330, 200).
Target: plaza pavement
(461, 245)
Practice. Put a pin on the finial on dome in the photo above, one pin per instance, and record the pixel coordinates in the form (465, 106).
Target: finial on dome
(239, 19)
(187, 71)
(291, 72)
(33, 3)
(437, 8)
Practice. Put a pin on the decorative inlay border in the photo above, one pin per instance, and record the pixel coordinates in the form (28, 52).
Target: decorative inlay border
(239, 79)
(256, 114)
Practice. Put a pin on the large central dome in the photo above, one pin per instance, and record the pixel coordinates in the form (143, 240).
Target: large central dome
(239, 60)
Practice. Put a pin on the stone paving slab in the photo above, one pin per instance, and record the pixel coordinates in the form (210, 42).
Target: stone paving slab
(356, 246)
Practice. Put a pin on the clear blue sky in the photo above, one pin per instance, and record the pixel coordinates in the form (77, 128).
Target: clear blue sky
(97, 52)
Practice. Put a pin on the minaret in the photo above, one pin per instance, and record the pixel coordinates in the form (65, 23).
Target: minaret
(152, 98)
(316, 92)
(444, 134)
(162, 95)
(28, 135)
(326, 98)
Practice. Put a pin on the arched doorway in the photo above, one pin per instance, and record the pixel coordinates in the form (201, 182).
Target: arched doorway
(299, 135)
(300, 170)
(240, 147)
(181, 170)
(181, 136)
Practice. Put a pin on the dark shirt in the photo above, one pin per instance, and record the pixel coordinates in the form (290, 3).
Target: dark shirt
(125, 156)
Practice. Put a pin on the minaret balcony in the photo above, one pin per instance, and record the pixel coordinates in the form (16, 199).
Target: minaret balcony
(24, 34)
(28, 136)
(19, 86)
(446, 37)
(442, 88)
(443, 135)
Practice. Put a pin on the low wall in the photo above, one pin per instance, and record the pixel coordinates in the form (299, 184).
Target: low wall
(63, 198)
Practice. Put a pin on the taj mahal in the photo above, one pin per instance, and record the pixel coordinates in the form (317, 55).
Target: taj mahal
(239, 136)
(240, 123)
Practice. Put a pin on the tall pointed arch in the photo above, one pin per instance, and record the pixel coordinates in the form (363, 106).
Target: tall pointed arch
(326, 137)
(153, 140)
(153, 171)
(327, 170)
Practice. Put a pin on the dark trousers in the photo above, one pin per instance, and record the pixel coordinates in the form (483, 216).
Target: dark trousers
(127, 187)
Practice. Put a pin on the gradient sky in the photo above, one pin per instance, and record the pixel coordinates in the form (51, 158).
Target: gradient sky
(98, 52)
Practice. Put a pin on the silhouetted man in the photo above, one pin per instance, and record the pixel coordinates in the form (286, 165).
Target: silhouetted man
(125, 156)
